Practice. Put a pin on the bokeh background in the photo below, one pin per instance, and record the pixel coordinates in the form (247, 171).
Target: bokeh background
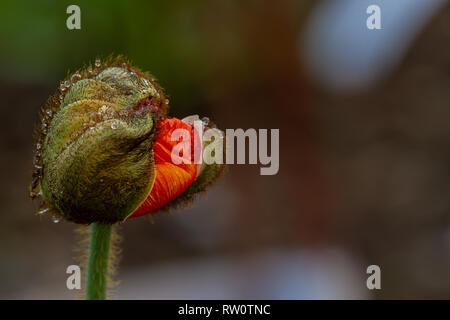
(364, 146)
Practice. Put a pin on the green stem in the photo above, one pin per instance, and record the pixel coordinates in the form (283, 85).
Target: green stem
(97, 274)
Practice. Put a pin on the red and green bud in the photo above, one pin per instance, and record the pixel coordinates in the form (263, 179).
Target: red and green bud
(104, 149)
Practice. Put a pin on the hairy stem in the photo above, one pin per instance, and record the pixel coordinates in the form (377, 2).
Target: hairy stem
(99, 254)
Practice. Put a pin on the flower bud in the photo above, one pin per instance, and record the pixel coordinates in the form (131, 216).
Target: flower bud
(98, 155)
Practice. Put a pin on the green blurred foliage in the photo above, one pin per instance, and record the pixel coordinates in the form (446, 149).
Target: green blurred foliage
(160, 36)
(196, 49)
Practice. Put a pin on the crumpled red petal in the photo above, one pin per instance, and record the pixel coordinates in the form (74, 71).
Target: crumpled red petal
(171, 179)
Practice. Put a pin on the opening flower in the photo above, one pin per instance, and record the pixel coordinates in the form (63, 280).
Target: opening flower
(171, 179)
(105, 146)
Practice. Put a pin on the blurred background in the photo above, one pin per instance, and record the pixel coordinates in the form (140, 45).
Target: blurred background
(364, 146)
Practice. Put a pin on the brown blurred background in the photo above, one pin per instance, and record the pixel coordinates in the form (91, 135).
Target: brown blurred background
(364, 146)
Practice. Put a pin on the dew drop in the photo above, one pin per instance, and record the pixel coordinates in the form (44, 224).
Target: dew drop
(90, 71)
(43, 210)
(67, 84)
(75, 77)
(205, 121)
(98, 63)
(166, 101)
(34, 182)
(103, 108)
(114, 124)
(37, 156)
(62, 86)
(56, 219)
(146, 82)
(110, 112)
(92, 122)
(38, 146)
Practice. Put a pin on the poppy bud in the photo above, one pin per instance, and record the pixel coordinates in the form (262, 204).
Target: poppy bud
(100, 152)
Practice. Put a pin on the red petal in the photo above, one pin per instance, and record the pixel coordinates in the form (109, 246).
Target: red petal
(171, 179)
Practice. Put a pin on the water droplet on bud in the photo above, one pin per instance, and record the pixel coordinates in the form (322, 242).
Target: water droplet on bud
(98, 63)
(43, 210)
(56, 219)
(114, 124)
(110, 112)
(103, 108)
(205, 121)
(75, 77)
